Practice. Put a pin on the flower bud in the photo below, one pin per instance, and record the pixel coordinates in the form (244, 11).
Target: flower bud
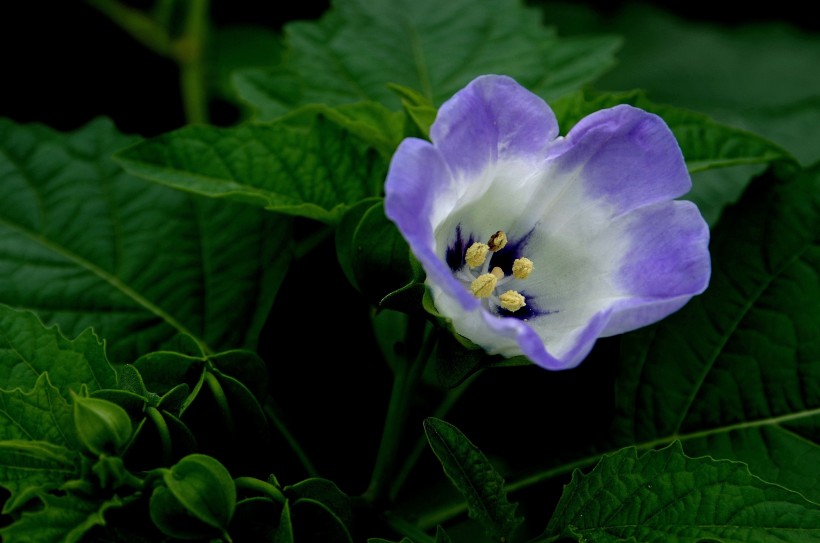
(102, 427)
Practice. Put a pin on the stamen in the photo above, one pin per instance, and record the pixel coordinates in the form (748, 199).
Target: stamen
(484, 285)
(497, 241)
(512, 301)
(476, 254)
(498, 272)
(522, 268)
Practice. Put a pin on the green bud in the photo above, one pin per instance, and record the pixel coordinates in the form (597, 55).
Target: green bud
(103, 427)
(204, 488)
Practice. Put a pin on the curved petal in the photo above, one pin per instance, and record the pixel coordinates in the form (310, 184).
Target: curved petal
(415, 191)
(667, 264)
(493, 118)
(624, 158)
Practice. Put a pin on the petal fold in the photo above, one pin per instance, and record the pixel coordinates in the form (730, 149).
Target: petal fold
(493, 118)
(625, 158)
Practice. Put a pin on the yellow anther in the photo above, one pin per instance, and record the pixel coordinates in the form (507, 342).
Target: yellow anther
(497, 241)
(476, 254)
(498, 272)
(512, 301)
(522, 268)
(484, 285)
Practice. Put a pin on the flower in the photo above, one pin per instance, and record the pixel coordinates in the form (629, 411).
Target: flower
(538, 244)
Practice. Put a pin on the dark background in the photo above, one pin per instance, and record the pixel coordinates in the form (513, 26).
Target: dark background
(64, 63)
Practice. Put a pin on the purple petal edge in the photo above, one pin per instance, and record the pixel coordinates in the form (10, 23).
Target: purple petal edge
(627, 156)
(417, 172)
(492, 118)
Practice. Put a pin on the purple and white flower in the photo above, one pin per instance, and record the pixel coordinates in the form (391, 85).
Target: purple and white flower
(539, 244)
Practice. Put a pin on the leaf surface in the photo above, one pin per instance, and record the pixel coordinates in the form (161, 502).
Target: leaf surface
(85, 244)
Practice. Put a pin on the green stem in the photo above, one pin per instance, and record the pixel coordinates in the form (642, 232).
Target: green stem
(450, 398)
(405, 380)
(222, 402)
(406, 529)
(140, 26)
(189, 51)
(311, 241)
(270, 412)
(257, 485)
(164, 434)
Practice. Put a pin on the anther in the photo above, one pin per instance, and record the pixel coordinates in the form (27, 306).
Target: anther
(497, 241)
(512, 301)
(522, 268)
(476, 254)
(498, 272)
(484, 285)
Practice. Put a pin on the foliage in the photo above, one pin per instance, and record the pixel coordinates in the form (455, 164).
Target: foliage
(198, 329)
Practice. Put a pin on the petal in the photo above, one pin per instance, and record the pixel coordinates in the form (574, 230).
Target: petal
(508, 336)
(667, 264)
(493, 118)
(415, 191)
(624, 158)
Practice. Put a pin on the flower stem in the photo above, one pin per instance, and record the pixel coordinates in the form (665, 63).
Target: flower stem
(407, 529)
(189, 51)
(271, 413)
(450, 398)
(406, 378)
(141, 27)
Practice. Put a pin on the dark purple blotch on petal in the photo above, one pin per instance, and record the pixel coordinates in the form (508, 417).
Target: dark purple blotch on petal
(455, 252)
(514, 249)
(529, 311)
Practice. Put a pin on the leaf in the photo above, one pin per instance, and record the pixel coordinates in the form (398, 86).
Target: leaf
(441, 536)
(311, 171)
(327, 493)
(717, 70)
(706, 144)
(41, 414)
(358, 47)
(372, 253)
(452, 362)
(28, 468)
(736, 373)
(665, 496)
(241, 46)
(85, 244)
(284, 531)
(63, 519)
(314, 521)
(28, 349)
(476, 479)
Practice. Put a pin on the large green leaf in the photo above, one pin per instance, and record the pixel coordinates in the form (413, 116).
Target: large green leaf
(63, 519)
(39, 415)
(476, 479)
(85, 244)
(309, 169)
(433, 47)
(665, 496)
(28, 349)
(28, 468)
(736, 373)
(762, 77)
